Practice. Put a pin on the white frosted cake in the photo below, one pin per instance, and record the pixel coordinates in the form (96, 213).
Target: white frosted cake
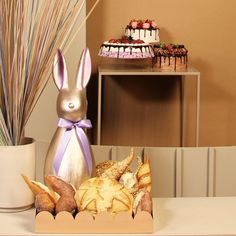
(144, 30)
(126, 49)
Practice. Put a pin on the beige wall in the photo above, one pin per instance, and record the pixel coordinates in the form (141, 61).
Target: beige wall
(207, 28)
(43, 121)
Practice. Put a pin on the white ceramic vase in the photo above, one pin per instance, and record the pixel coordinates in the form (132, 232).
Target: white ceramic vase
(14, 161)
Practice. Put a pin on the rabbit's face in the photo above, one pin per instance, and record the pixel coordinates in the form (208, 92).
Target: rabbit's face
(72, 104)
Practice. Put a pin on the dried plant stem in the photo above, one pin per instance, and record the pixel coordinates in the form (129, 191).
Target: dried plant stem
(30, 33)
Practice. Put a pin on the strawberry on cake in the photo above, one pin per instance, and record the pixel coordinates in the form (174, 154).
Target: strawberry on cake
(126, 48)
(145, 30)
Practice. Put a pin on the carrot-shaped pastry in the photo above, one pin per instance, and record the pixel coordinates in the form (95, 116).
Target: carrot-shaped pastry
(103, 166)
(44, 199)
(117, 169)
(37, 187)
(144, 175)
(139, 164)
(59, 186)
(44, 202)
(66, 191)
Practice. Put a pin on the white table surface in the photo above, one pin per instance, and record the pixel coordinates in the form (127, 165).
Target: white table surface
(172, 216)
(124, 69)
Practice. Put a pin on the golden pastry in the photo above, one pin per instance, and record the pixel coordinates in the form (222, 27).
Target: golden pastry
(59, 186)
(44, 202)
(117, 169)
(66, 203)
(103, 194)
(144, 175)
(66, 191)
(129, 181)
(139, 164)
(37, 187)
(101, 167)
(58, 197)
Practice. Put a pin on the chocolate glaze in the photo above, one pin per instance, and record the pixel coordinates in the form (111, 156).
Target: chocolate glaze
(178, 52)
(142, 48)
(125, 46)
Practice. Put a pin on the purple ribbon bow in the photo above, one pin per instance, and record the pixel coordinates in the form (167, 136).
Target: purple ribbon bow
(82, 138)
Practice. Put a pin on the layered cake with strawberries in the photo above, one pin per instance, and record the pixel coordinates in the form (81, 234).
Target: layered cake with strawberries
(171, 56)
(126, 48)
(145, 30)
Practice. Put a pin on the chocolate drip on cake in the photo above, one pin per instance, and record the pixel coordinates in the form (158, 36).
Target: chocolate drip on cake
(127, 47)
(177, 52)
(118, 54)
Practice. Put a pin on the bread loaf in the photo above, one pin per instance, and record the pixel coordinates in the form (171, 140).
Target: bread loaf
(103, 194)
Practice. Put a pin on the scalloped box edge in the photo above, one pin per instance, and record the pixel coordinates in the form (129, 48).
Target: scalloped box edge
(84, 222)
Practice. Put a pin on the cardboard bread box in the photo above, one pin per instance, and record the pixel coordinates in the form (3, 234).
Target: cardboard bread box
(85, 222)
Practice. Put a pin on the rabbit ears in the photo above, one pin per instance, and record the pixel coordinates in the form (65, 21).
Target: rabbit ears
(60, 74)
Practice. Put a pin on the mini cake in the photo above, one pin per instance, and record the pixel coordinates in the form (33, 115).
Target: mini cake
(144, 30)
(170, 57)
(126, 48)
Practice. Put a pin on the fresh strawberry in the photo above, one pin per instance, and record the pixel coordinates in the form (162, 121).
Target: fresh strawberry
(153, 24)
(134, 24)
(140, 24)
(146, 25)
(112, 41)
(138, 41)
(170, 48)
(125, 41)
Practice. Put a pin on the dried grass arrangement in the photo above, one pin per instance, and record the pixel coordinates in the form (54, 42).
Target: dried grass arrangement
(30, 33)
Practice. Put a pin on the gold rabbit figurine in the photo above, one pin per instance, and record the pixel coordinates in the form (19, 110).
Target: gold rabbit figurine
(69, 155)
